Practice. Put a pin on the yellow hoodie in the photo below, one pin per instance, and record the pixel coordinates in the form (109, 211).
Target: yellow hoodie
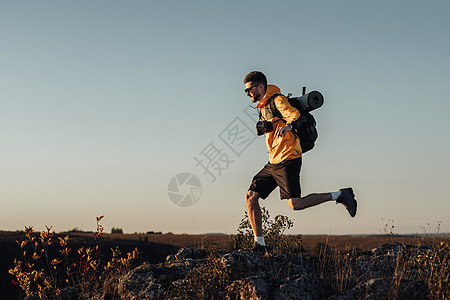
(288, 146)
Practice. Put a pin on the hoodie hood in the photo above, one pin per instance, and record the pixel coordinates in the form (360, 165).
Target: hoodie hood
(271, 90)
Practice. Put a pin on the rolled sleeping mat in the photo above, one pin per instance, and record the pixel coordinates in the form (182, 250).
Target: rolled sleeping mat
(309, 101)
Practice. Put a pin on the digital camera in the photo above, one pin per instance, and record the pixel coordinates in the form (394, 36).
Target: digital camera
(263, 127)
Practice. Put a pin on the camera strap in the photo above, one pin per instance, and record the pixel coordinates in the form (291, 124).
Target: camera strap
(270, 104)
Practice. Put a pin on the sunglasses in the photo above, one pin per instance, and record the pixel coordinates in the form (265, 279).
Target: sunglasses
(247, 90)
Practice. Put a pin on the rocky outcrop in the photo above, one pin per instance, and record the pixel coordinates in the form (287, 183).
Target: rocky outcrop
(195, 273)
(384, 273)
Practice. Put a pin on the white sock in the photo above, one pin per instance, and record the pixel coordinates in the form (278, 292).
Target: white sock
(260, 240)
(335, 195)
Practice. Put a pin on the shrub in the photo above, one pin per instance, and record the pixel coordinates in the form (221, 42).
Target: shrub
(273, 231)
(432, 265)
(211, 280)
(46, 268)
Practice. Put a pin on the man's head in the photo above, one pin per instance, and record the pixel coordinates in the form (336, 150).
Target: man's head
(255, 85)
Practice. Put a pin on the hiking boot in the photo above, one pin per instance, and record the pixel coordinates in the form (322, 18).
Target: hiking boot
(257, 248)
(347, 198)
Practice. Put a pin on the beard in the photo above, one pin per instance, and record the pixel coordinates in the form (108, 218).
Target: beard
(256, 97)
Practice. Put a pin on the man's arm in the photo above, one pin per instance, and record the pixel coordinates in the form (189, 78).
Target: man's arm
(289, 113)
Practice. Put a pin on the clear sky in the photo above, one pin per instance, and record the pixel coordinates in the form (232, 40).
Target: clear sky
(103, 103)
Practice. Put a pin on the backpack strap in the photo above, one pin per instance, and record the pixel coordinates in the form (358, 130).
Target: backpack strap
(295, 124)
(272, 107)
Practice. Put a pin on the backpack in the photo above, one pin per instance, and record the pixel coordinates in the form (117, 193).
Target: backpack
(307, 131)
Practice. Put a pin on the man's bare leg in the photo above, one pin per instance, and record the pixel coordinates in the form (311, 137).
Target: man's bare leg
(254, 212)
(345, 197)
(308, 201)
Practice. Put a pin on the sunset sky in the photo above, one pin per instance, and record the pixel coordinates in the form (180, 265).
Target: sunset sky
(105, 104)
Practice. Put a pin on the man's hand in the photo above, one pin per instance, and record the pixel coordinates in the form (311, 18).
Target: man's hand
(282, 130)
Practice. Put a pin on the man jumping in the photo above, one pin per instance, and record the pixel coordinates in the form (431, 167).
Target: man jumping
(285, 159)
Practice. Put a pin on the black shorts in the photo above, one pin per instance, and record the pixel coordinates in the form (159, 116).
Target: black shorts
(286, 175)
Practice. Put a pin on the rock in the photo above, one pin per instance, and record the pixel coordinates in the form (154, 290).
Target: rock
(305, 287)
(252, 288)
(139, 283)
(384, 288)
(194, 273)
(184, 253)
